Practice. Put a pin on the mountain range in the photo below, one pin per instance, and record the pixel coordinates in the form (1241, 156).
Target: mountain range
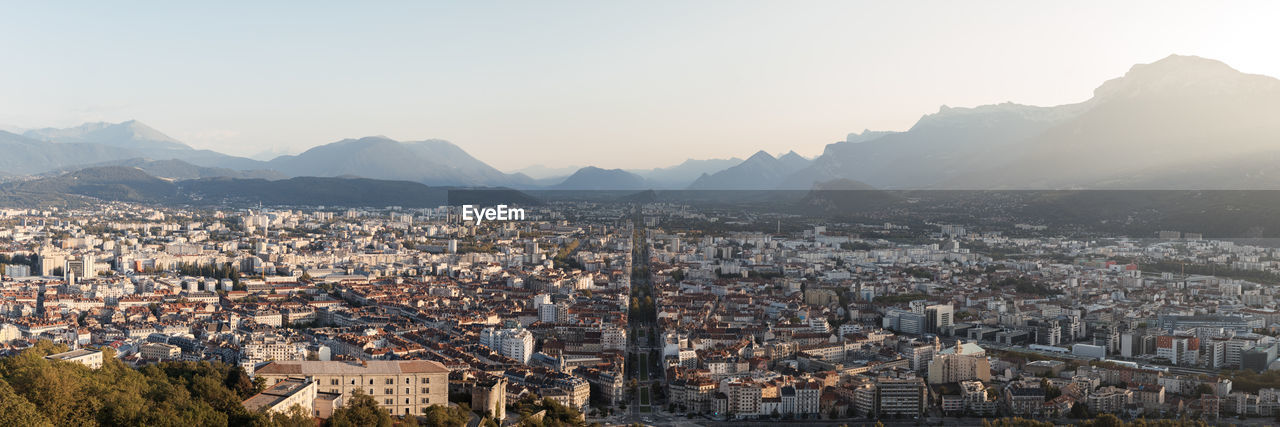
(683, 174)
(760, 171)
(1182, 122)
(432, 162)
(132, 184)
(666, 178)
(45, 150)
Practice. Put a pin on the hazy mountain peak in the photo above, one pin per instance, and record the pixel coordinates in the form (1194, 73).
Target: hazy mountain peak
(130, 134)
(368, 139)
(1007, 106)
(594, 178)
(432, 161)
(760, 171)
(791, 155)
(761, 156)
(1180, 75)
(142, 131)
(1186, 65)
(995, 114)
(865, 135)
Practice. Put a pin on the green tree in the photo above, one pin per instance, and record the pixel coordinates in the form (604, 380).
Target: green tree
(239, 382)
(296, 416)
(360, 410)
(167, 394)
(1015, 422)
(1079, 411)
(1104, 420)
(17, 411)
(449, 416)
(556, 415)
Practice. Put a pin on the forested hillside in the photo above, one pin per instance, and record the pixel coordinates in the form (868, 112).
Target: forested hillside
(35, 391)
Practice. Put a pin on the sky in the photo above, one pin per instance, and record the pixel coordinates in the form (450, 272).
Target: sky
(619, 84)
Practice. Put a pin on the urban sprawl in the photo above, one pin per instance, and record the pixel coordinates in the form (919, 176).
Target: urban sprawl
(630, 315)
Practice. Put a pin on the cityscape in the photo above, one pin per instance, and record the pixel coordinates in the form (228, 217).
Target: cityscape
(582, 213)
(627, 314)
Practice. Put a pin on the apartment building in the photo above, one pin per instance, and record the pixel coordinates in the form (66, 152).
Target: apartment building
(160, 351)
(87, 357)
(514, 343)
(1109, 399)
(402, 387)
(900, 397)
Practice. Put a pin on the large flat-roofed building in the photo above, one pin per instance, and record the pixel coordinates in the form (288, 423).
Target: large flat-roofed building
(901, 397)
(87, 357)
(1258, 358)
(283, 396)
(400, 386)
(1172, 323)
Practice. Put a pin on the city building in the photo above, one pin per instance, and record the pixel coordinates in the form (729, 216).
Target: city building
(401, 387)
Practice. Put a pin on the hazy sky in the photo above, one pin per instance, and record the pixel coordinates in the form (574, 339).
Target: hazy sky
(612, 84)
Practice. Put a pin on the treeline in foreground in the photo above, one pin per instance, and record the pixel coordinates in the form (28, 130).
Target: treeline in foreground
(36, 392)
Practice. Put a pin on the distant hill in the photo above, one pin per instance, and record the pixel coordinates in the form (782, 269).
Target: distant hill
(20, 155)
(683, 174)
(434, 162)
(177, 170)
(594, 178)
(54, 150)
(115, 183)
(132, 135)
(665, 178)
(131, 184)
(313, 191)
(761, 171)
